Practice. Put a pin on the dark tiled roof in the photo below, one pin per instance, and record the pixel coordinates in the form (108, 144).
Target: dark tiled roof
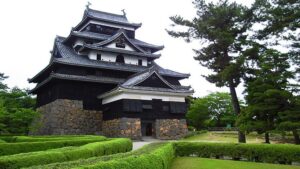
(109, 17)
(131, 82)
(95, 79)
(143, 88)
(99, 36)
(69, 57)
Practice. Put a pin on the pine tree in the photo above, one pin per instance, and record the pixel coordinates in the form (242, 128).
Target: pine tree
(222, 27)
(268, 94)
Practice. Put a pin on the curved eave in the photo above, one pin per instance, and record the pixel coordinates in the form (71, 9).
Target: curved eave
(76, 78)
(153, 56)
(34, 78)
(144, 90)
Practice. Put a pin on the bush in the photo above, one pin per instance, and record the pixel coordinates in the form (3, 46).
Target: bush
(152, 156)
(283, 154)
(90, 161)
(24, 147)
(15, 139)
(65, 154)
(159, 158)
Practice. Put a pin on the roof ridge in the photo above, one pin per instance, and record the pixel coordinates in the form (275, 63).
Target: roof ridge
(104, 12)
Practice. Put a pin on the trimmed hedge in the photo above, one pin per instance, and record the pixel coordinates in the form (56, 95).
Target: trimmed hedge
(24, 147)
(66, 154)
(155, 155)
(160, 158)
(283, 154)
(16, 139)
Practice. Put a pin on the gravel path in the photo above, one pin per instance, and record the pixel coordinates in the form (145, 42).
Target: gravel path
(145, 141)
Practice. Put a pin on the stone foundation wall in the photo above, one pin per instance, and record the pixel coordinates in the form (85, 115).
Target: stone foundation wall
(123, 127)
(167, 129)
(64, 116)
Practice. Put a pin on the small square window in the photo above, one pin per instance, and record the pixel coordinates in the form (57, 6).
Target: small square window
(98, 56)
(140, 62)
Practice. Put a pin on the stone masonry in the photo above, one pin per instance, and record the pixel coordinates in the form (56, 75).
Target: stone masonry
(167, 129)
(64, 116)
(123, 127)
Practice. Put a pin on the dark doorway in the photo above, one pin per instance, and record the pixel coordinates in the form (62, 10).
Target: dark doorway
(120, 59)
(147, 128)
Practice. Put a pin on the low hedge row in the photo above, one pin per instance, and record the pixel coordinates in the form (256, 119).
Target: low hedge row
(283, 154)
(90, 161)
(65, 154)
(152, 156)
(16, 139)
(24, 147)
(160, 158)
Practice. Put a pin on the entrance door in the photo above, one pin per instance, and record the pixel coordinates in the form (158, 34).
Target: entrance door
(147, 128)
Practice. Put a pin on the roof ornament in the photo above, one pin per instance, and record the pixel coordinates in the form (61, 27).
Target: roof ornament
(88, 5)
(124, 13)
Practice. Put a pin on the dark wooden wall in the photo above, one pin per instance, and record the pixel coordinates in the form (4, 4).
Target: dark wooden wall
(64, 89)
(144, 109)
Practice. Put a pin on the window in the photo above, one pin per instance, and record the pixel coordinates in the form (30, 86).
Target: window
(120, 59)
(140, 62)
(98, 56)
(147, 106)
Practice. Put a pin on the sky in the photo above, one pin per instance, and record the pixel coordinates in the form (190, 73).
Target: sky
(28, 29)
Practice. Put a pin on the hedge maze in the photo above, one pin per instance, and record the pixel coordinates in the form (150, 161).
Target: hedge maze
(96, 152)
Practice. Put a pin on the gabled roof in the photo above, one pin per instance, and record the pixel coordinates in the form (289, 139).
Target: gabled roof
(106, 17)
(99, 36)
(141, 77)
(69, 57)
(119, 34)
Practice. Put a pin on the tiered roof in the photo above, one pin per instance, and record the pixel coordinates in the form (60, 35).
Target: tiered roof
(64, 54)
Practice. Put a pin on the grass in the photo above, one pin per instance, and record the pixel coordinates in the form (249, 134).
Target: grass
(204, 163)
(231, 137)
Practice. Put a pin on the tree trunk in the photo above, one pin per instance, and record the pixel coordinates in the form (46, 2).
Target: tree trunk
(237, 110)
(267, 138)
(296, 137)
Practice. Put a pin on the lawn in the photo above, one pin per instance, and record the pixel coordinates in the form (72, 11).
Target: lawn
(231, 137)
(205, 163)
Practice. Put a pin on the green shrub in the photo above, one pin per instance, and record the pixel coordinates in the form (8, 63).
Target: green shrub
(89, 161)
(284, 154)
(65, 154)
(23, 147)
(159, 158)
(14, 139)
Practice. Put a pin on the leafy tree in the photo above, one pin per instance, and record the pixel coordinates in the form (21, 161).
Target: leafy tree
(222, 26)
(289, 120)
(220, 109)
(16, 110)
(267, 93)
(198, 113)
(213, 110)
(3, 86)
(281, 21)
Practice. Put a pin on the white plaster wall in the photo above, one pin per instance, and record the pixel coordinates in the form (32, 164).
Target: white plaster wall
(111, 57)
(105, 56)
(142, 97)
(127, 47)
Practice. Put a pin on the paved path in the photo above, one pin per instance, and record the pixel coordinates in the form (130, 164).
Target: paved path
(145, 141)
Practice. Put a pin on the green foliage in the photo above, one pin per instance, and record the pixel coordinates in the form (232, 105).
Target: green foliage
(214, 110)
(90, 161)
(268, 94)
(160, 158)
(283, 154)
(16, 109)
(66, 154)
(44, 144)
